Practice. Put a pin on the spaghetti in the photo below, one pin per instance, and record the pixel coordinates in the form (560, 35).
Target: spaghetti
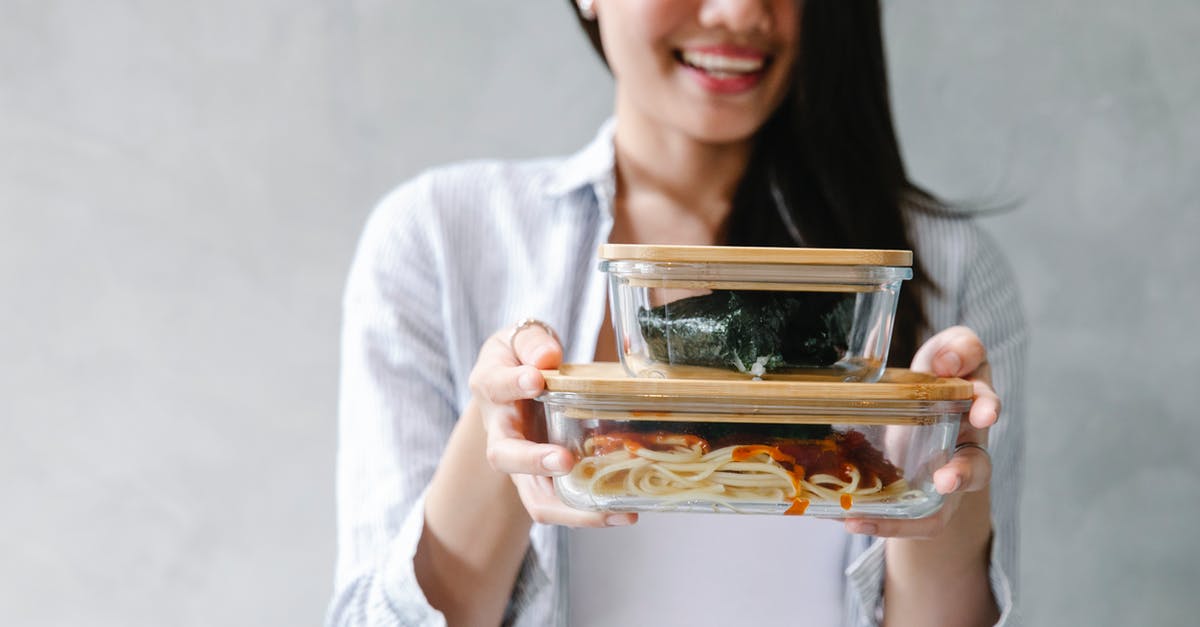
(673, 467)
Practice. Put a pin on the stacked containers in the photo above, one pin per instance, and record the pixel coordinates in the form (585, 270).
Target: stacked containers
(752, 380)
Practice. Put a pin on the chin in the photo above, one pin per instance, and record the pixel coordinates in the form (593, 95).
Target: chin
(723, 128)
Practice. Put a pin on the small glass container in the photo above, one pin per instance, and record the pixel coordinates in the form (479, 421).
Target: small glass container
(830, 450)
(747, 312)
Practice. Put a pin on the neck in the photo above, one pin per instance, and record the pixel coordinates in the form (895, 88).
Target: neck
(672, 188)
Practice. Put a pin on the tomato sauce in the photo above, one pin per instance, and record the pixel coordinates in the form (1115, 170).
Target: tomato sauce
(797, 508)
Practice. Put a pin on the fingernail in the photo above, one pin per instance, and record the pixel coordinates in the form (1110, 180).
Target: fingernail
(618, 520)
(949, 363)
(553, 463)
(866, 528)
(529, 382)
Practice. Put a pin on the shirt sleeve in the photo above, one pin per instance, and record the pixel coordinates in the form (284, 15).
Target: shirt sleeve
(992, 308)
(989, 305)
(395, 413)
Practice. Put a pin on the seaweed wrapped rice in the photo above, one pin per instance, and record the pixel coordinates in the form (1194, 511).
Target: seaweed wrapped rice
(755, 332)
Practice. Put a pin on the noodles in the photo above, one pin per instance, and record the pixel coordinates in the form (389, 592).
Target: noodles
(670, 468)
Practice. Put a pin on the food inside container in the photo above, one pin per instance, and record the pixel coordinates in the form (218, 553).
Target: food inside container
(748, 312)
(831, 450)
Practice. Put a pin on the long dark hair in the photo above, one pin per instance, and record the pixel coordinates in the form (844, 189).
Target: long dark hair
(826, 170)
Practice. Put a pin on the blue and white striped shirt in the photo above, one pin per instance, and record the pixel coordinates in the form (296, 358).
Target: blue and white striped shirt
(460, 251)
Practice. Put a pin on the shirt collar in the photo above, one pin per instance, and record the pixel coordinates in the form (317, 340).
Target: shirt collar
(591, 166)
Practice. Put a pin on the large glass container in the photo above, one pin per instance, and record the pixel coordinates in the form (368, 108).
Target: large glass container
(831, 450)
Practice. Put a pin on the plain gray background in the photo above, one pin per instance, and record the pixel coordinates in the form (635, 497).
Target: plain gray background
(182, 185)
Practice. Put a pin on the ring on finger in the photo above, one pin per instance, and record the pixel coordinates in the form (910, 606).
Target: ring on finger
(962, 445)
(525, 324)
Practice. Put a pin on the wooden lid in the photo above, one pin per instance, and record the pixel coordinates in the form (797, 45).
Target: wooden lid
(756, 254)
(897, 384)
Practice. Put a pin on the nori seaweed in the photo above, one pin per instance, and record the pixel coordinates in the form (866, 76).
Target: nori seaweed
(721, 433)
(733, 329)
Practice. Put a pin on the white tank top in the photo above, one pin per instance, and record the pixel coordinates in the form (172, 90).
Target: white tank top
(708, 569)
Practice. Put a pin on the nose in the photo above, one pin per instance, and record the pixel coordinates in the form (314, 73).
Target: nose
(739, 16)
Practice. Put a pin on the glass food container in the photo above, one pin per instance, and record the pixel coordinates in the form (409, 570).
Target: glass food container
(831, 450)
(747, 312)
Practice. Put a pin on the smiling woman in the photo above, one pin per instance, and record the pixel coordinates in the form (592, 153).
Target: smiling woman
(752, 122)
(716, 85)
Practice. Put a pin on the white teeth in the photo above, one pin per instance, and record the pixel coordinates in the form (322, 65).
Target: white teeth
(717, 64)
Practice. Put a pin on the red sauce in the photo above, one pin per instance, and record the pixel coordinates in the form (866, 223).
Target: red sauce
(797, 508)
(742, 453)
(797, 474)
(847, 501)
(840, 453)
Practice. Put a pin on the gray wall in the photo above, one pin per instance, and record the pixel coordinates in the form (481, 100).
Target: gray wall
(182, 184)
(1089, 114)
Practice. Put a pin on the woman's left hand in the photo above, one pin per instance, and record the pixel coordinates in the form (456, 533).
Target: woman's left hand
(955, 352)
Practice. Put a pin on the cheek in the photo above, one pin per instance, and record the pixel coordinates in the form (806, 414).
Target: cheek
(645, 25)
(786, 17)
(659, 19)
(637, 38)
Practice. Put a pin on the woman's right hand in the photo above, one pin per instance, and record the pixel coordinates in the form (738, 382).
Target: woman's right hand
(503, 382)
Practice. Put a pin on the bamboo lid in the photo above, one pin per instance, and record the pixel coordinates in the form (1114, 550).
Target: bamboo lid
(897, 384)
(756, 255)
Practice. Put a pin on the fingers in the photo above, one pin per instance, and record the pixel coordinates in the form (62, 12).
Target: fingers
(969, 470)
(508, 451)
(985, 410)
(504, 378)
(505, 385)
(505, 373)
(955, 352)
(958, 352)
(536, 347)
(531, 345)
(544, 506)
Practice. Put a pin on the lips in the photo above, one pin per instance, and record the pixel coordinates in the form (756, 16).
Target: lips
(724, 69)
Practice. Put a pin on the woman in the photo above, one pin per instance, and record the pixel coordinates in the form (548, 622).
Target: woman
(761, 122)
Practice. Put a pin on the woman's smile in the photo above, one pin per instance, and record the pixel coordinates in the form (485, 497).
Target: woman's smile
(724, 68)
(711, 72)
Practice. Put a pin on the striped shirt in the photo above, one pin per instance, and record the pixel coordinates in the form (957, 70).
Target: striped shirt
(460, 251)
